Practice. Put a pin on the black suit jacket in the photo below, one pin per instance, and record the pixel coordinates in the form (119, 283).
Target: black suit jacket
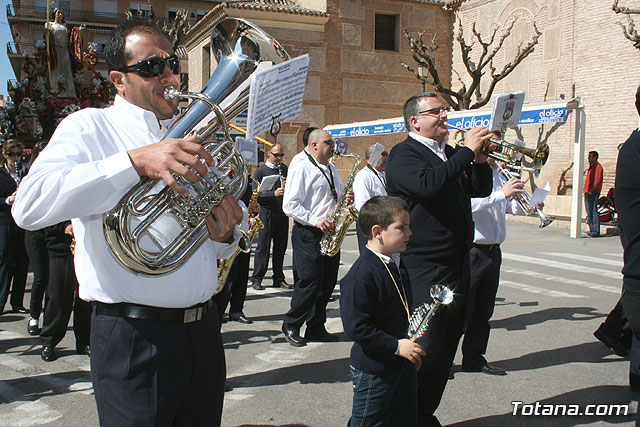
(438, 194)
(7, 188)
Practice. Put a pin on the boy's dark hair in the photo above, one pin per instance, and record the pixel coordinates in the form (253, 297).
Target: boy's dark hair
(114, 51)
(380, 210)
(305, 135)
(594, 154)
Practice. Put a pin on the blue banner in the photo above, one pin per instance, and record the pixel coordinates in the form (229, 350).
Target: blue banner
(465, 120)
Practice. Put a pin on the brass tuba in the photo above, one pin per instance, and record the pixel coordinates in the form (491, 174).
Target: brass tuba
(132, 227)
(343, 214)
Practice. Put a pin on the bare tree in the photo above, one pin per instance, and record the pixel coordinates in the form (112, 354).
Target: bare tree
(469, 96)
(630, 30)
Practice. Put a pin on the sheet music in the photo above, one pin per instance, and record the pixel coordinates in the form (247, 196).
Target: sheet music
(277, 92)
(539, 194)
(267, 183)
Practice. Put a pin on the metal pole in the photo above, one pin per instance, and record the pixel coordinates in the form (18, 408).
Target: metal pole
(578, 170)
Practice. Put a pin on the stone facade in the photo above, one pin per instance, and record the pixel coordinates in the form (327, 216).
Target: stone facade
(349, 80)
(582, 52)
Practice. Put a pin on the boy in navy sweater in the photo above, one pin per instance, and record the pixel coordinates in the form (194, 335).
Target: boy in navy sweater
(375, 298)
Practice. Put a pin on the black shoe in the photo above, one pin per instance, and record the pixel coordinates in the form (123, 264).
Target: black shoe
(293, 337)
(32, 327)
(485, 369)
(240, 317)
(320, 335)
(20, 310)
(48, 354)
(83, 349)
(227, 387)
(282, 284)
(257, 286)
(611, 343)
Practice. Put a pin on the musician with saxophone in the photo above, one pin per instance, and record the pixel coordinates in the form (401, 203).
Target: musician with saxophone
(489, 220)
(156, 348)
(310, 196)
(276, 223)
(14, 261)
(437, 182)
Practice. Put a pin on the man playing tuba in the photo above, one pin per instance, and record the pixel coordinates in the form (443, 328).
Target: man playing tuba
(157, 353)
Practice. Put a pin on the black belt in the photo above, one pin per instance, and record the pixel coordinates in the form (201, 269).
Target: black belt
(170, 315)
(487, 247)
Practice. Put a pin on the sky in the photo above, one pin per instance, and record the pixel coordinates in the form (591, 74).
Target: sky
(6, 72)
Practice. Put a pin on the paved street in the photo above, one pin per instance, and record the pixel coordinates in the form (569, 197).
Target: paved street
(554, 293)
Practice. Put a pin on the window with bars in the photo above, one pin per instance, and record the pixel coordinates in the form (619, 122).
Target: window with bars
(386, 32)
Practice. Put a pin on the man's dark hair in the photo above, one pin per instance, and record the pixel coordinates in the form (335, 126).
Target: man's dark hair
(412, 107)
(114, 51)
(594, 153)
(305, 135)
(380, 210)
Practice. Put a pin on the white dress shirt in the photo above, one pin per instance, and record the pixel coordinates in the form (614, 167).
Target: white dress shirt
(438, 149)
(300, 156)
(81, 174)
(307, 195)
(367, 184)
(489, 213)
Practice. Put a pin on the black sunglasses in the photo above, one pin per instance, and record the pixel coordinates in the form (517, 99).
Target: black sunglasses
(153, 67)
(14, 154)
(278, 154)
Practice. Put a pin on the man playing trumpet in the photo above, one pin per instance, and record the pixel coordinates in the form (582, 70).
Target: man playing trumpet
(437, 182)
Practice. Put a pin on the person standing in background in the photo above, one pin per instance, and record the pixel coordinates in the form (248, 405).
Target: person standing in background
(592, 189)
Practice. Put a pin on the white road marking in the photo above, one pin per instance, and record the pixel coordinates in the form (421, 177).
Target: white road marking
(587, 258)
(44, 377)
(562, 265)
(537, 290)
(562, 280)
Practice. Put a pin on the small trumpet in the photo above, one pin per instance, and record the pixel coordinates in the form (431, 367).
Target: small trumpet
(507, 152)
(422, 315)
(523, 200)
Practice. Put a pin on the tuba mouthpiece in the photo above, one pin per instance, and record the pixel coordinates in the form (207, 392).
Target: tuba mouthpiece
(171, 93)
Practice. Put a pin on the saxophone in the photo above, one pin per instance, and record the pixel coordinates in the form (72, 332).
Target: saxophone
(255, 224)
(343, 214)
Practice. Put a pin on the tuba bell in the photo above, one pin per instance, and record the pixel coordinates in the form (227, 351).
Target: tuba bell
(154, 230)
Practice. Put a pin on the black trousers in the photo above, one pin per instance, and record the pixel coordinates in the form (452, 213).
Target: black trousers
(39, 259)
(317, 276)
(62, 298)
(631, 306)
(14, 263)
(445, 329)
(362, 241)
(276, 229)
(483, 287)
(152, 373)
(235, 288)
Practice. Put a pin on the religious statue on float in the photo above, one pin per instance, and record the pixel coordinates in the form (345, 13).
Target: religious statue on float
(65, 51)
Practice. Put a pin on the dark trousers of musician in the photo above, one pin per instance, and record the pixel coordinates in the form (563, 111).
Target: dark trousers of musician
(317, 276)
(235, 288)
(362, 241)
(631, 305)
(62, 299)
(14, 263)
(485, 263)
(39, 259)
(445, 329)
(152, 372)
(276, 230)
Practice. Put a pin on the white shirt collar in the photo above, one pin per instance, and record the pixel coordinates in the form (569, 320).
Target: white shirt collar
(395, 257)
(270, 165)
(438, 149)
(149, 118)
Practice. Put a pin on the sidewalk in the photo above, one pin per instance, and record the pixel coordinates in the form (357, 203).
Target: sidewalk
(606, 228)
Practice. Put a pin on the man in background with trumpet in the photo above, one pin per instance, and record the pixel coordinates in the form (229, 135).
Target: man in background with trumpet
(489, 219)
(156, 349)
(310, 196)
(437, 182)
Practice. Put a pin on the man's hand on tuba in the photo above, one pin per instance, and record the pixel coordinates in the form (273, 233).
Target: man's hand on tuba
(162, 159)
(223, 219)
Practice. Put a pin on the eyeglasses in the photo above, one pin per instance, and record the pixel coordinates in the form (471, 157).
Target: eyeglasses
(153, 67)
(329, 142)
(437, 111)
(277, 154)
(14, 154)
